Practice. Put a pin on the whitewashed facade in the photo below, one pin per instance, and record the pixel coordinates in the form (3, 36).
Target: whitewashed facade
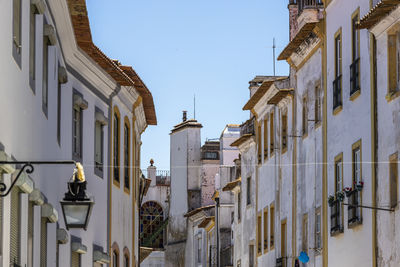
(58, 101)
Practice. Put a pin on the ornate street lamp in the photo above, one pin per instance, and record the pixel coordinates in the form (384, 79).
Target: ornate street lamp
(76, 205)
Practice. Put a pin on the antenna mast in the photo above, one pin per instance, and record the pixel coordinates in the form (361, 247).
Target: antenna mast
(273, 51)
(194, 105)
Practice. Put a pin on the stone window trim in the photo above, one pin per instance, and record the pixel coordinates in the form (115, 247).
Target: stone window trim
(393, 48)
(265, 138)
(272, 226)
(337, 220)
(126, 257)
(101, 121)
(17, 31)
(259, 234)
(116, 147)
(115, 251)
(79, 105)
(265, 227)
(355, 88)
(393, 180)
(337, 83)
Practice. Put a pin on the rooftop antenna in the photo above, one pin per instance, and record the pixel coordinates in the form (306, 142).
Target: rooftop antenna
(194, 105)
(273, 51)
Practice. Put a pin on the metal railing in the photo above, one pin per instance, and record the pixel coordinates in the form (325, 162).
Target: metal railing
(307, 4)
(355, 76)
(337, 92)
(336, 217)
(247, 127)
(353, 209)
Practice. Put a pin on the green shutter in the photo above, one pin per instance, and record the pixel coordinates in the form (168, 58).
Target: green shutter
(15, 227)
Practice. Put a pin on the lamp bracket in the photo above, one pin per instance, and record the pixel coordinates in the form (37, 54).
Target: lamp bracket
(28, 167)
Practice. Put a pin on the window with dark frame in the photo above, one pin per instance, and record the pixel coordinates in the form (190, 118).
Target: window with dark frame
(99, 145)
(116, 161)
(265, 238)
(17, 17)
(126, 156)
(394, 62)
(272, 226)
(199, 245)
(259, 236)
(77, 132)
(336, 209)
(284, 131)
(355, 66)
(126, 260)
(115, 259)
(266, 138)
(337, 83)
(354, 212)
(318, 104)
(248, 192)
(304, 117)
(304, 238)
(272, 136)
(239, 205)
(32, 45)
(318, 243)
(393, 180)
(45, 82)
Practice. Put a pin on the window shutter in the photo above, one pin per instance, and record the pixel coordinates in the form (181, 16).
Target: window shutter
(15, 227)
(30, 234)
(75, 259)
(43, 242)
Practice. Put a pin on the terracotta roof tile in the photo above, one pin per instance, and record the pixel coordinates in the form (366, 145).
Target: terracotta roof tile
(378, 12)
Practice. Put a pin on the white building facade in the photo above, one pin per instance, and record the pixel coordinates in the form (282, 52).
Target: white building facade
(66, 90)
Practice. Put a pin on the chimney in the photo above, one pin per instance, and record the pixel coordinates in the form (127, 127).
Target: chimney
(151, 173)
(293, 13)
(184, 118)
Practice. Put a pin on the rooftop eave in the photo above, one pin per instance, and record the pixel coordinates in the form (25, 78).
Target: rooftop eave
(261, 91)
(378, 13)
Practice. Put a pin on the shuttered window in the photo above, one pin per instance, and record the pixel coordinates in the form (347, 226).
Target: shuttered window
(30, 234)
(75, 259)
(15, 227)
(43, 242)
(17, 24)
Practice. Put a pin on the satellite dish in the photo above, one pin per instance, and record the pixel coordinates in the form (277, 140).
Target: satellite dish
(304, 257)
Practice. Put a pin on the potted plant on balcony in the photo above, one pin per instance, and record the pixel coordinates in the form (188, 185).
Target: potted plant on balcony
(359, 186)
(331, 200)
(348, 191)
(340, 196)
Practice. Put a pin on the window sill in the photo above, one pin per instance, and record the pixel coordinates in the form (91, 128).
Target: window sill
(392, 95)
(337, 231)
(304, 136)
(127, 190)
(265, 250)
(284, 150)
(337, 110)
(355, 94)
(318, 124)
(99, 172)
(355, 222)
(116, 183)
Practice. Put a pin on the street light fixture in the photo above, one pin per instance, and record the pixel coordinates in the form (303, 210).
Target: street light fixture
(76, 205)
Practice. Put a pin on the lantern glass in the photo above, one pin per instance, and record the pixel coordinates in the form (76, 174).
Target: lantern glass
(76, 213)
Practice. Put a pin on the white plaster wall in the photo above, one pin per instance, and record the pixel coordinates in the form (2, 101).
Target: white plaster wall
(346, 128)
(309, 155)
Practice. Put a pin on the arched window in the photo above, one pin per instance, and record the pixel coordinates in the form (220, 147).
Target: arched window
(116, 147)
(115, 255)
(126, 257)
(151, 219)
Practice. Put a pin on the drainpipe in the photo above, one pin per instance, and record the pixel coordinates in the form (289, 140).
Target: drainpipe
(109, 191)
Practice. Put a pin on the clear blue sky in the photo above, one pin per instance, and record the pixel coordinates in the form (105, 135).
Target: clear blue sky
(209, 48)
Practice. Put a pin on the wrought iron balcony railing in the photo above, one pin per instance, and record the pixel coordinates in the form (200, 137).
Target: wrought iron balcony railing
(306, 4)
(355, 76)
(353, 210)
(336, 217)
(337, 92)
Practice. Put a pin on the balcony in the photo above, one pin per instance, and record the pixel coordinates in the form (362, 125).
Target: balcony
(354, 212)
(247, 127)
(308, 11)
(336, 217)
